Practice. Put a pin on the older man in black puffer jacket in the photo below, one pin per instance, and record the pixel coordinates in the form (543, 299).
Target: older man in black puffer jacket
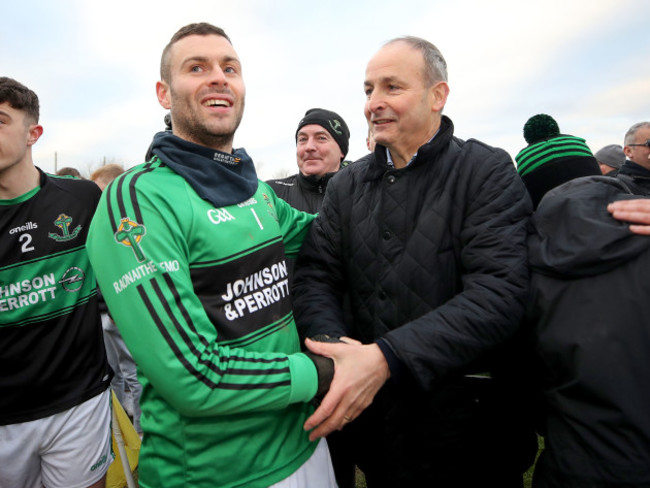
(427, 240)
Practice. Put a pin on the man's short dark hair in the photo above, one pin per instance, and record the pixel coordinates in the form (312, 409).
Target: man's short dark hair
(197, 29)
(19, 97)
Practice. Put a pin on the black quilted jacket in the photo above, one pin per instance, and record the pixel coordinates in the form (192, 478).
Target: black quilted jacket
(433, 256)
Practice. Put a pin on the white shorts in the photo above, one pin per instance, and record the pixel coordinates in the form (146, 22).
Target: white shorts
(70, 449)
(317, 472)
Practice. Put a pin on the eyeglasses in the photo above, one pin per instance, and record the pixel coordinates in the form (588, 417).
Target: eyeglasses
(646, 144)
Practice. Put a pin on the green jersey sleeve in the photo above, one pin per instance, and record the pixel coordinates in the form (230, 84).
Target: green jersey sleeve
(294, 224)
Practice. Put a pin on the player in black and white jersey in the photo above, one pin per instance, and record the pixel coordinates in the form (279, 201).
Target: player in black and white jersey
(54, 377)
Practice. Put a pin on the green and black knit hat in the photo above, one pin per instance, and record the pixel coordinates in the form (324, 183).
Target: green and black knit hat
(551, 158)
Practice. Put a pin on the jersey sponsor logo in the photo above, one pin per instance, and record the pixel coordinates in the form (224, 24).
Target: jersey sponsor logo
(130, 233)
(218, 215)
(63, 222)
(73, 279)
(24, 228)
(27, 292)
(256, 291)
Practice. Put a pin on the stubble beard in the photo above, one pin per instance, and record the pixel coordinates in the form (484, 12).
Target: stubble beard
(194, 129)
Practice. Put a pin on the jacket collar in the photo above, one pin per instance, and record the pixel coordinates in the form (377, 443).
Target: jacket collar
(379, 164)
(314, 184)
(634, 170)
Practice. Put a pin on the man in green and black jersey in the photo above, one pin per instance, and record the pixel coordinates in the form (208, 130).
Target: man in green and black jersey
(54, 377)
(189, 250)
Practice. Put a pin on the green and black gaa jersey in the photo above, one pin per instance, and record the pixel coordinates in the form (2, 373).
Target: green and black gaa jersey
(52, 353)
(201, 297)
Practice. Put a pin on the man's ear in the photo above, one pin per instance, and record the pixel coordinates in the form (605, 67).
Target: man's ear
(627, 151)
(163, 92)
(439, 94)
(35, 132)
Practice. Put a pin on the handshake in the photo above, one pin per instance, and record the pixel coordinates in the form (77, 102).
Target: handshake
(324, 367)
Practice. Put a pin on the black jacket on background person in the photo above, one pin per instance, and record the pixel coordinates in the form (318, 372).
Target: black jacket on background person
(433, 258)
(590, 311)
(305, 193)
(636, 177)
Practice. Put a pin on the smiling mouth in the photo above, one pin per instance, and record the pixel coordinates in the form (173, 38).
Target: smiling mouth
(312, 161)
(217, 103)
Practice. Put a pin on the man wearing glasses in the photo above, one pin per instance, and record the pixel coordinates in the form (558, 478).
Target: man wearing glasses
(636, 169)
(637, 145)
(636, 173)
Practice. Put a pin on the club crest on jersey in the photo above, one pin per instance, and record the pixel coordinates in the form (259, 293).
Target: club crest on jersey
(130, 233)
(63, 222)
(272, 211)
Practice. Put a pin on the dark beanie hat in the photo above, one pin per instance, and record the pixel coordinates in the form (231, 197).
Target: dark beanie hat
(332, 122)
(551, 159)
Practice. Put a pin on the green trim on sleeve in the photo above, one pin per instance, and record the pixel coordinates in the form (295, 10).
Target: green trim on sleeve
(304, 378)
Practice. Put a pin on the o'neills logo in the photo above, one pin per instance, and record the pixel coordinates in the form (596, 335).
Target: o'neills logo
(23, 228)
(226, 158)
(98, 463)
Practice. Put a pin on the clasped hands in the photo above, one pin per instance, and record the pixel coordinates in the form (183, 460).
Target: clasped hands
(359, 372)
